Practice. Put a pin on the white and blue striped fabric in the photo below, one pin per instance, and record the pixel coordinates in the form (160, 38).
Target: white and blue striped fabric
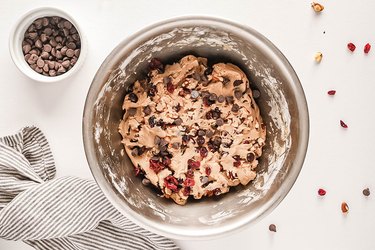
(63, 213)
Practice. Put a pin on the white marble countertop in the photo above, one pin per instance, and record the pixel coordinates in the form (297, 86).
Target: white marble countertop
(338, 160)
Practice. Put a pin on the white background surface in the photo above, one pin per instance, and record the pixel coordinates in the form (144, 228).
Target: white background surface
(341, 161)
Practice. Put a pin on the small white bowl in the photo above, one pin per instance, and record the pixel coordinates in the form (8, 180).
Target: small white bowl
(17, 36)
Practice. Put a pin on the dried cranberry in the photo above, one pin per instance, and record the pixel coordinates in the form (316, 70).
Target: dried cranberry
(367, 48)
(343, 124)
(209, 115)
(155, 63)
(208, 171)
(193, 164)
(186, 191)
(137, 171)
(351, 47)
(200, 140)
(151, 121)
(189, 182)
(156, 166)
(321, 192)
(331, 92)
(170, 87)
(203, 151)
(246, 142)
(190, 173)
(171, 183)
(237, 164)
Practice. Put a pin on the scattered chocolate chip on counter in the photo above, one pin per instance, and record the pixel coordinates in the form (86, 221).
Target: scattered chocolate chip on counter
(51, 45)
(366, 192)
(272, 228)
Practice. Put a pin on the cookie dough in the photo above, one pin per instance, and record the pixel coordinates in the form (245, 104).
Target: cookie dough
(193, 130)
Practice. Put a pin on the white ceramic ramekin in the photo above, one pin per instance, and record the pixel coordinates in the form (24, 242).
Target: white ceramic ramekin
(17, 35)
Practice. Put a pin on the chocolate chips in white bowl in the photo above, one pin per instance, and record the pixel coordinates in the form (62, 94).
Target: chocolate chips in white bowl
(51, 45)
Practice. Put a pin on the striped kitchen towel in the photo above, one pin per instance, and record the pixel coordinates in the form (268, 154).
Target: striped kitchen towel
(63, 213)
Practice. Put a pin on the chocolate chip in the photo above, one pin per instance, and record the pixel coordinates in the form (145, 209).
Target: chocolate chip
(235, 107)
(209, 133)
(151, 121)
(163, 149)
(185, 138)
(146, 182)
(178, 121)
(237, 83)
(177, 108)
(133, 97)
(65, 64)
(61, 70)
(44, 55)
(203, 179)
(196, 76)
(201, 132)
(272, 228)
(366, 192)
(219, 122)
(132, 111)
(250, 157)
(225, 80)
(71, 45)
(52, 72)
(135, 151)
(208, 71)
(163, 142)
(209, 115)
(217, 141)
(216, 113)
(217, 191)
(229, 99)
(141, 150)
(256, 93)
(167, 80)
(70, 53)
(212, 97)
(194, 94)
(221, 99)
(40, 63)
(32, 59)
(147, 110)
(238, 94)
(157, 140)
(200, 140)
(176, 145)
(26, 48)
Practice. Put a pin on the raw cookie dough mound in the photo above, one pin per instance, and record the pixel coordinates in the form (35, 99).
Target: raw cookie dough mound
(193, 130)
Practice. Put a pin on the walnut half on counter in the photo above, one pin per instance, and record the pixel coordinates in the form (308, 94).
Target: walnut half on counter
(193, 130)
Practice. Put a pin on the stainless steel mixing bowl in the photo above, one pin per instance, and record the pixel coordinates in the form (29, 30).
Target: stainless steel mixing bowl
(282, 104)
